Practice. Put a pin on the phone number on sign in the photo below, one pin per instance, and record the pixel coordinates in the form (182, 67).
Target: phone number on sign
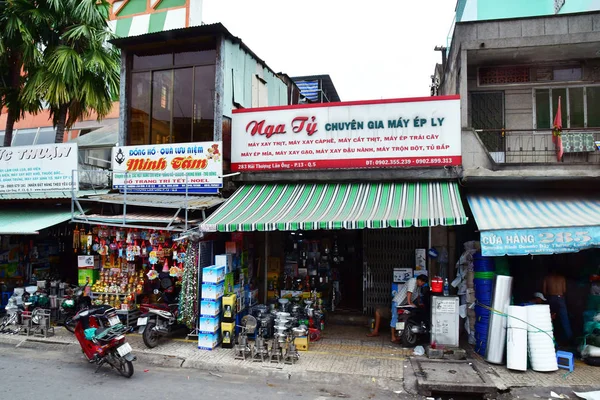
(407, 161)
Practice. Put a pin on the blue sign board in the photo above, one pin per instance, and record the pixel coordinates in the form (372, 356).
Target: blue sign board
(518, 242)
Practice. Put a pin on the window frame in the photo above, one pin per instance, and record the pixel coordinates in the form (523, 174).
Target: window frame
(172, 68)
(567, 108)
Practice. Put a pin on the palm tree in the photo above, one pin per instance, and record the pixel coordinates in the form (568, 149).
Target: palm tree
(80, 69)
(19, 52)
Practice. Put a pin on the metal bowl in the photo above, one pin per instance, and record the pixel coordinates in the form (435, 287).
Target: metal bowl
(299, 331)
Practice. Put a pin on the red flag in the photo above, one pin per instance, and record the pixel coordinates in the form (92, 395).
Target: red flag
(557, 132)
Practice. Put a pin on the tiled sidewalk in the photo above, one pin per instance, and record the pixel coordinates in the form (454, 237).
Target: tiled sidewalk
(349, 354)
(582, 375)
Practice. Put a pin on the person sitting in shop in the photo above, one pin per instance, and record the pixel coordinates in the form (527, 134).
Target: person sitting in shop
(537, 298)
(407, 294)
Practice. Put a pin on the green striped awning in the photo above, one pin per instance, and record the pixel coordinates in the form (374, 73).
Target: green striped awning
(290, 207)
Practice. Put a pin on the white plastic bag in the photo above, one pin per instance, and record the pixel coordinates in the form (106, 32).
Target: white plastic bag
(419, 351)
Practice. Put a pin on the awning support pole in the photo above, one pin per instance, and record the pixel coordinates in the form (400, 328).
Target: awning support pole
(120, 225)
(186, 201)
(125, 201)
(72, 195)
(429, 263)
(266, 265)
(174, 218)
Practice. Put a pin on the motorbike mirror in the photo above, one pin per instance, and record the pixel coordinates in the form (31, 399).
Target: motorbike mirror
(156, 291)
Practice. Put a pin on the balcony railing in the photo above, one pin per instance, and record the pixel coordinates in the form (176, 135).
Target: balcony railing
(510, 146)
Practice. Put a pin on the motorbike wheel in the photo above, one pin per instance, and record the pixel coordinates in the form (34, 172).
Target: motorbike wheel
(70, 324)
(126, 368)
(123, 366)
(408, 338)
(150, 336)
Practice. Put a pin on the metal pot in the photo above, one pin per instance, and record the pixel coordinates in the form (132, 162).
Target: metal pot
(280, 329)
(299, 331)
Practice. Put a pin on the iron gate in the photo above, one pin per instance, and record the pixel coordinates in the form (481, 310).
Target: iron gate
(384, 250)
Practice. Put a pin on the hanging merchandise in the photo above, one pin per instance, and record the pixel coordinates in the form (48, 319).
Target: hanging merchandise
(188, 298)
(76, 240)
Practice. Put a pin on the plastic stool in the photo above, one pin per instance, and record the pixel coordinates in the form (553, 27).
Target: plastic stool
(565, 356)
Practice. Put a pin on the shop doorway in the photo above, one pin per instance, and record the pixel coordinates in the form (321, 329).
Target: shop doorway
(384, 250)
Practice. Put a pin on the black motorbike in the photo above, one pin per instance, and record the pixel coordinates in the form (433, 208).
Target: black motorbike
(72, 304)
(414, 322)
(158, 320)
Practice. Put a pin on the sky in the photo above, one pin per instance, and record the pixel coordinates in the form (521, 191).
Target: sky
(373, 49)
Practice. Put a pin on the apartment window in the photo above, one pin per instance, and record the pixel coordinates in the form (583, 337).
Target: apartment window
(580, 107)
(503, 75)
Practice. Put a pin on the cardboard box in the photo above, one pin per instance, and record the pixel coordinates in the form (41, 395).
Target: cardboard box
(241, 302)
(209, 324)
(213, 274)
(225, 260)
(402, 275)
(210, 308)
(420, 259)
(301, 343)
(89, 276)
(208, 340)
(251, 297)
(228, 332)
(88, 262)
(229, 282)
(212, 291)
(231, 247)
(274, 265)
(288, 294)
(229, 307)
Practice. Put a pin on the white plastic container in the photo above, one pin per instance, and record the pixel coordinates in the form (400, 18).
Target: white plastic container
(516, 339)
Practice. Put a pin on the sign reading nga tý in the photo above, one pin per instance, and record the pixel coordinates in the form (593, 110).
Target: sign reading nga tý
(420, 132)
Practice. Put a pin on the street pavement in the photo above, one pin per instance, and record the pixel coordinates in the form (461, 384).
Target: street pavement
(27, 374)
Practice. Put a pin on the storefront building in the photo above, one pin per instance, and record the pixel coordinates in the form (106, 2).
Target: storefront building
(341, 195)
(36, 187)
(529, 130)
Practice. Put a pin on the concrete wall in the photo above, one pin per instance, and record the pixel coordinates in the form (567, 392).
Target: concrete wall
(527, 41)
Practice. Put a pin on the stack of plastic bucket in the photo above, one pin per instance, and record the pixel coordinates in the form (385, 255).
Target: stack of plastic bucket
(484, 290)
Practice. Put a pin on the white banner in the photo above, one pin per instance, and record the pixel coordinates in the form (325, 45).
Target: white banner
(422, 132)
(169, 168)
(42, 168)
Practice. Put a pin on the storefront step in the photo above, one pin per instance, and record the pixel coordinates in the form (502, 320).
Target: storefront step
(348, 318)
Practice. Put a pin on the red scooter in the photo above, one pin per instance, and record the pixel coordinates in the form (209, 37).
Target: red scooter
(101, 336)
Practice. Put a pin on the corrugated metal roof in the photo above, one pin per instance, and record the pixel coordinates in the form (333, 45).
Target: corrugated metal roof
(161, 200)
(106, 136)
(29, 221)
(192, 32)
(49, 195)
(130, 218)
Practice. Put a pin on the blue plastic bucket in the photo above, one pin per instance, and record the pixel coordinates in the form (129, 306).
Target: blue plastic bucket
(483, 264)
(482, 312)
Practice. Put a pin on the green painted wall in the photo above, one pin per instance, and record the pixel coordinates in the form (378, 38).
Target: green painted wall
(123, 27)
(157, 22)
(481, 10)
(170, 3)
(133, 7)
(513, 8)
